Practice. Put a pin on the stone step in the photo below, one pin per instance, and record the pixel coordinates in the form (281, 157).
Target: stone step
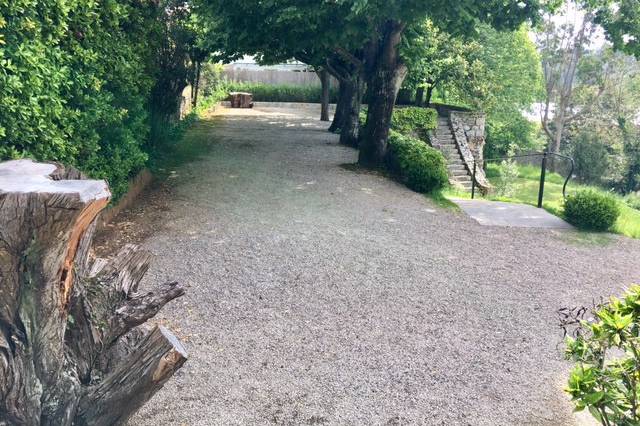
(456, 167)
(465, 183)
(459, 174)
(449, 148)
(452, 157)
(466, 186)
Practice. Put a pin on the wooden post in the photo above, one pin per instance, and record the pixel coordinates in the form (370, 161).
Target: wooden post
(65, 319)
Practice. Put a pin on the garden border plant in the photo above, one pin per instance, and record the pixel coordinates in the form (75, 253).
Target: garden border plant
(606, 350)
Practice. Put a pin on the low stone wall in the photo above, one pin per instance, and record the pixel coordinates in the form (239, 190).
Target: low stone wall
(136, 186)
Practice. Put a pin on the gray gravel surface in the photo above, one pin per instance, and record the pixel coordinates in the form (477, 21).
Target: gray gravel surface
(321, 295)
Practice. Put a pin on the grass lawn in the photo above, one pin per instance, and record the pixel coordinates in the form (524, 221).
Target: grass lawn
(525, 190)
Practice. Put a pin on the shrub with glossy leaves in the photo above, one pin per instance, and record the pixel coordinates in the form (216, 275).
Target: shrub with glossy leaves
(606, 377)
(591, 210)
(76, 79)
(421, 167)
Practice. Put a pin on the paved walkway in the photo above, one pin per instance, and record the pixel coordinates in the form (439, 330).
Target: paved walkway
(497, 213)
(320, 295)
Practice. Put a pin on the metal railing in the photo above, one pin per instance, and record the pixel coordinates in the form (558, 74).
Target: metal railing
(543, 172)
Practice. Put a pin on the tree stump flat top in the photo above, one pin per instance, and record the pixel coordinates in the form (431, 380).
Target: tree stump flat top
(241, 100)
(27, 176)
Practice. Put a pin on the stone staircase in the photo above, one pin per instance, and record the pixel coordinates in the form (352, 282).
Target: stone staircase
(458, 173)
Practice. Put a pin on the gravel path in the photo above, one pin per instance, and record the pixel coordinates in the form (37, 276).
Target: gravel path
(320, 295)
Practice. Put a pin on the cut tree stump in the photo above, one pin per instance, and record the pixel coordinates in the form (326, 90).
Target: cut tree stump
(241, 100)
(71, 349)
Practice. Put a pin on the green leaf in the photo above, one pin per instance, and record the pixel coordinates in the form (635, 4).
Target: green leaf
(595, 413)
(593, 398)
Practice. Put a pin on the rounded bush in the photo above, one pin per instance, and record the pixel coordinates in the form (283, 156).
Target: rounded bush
(421, 167)
(592, 210)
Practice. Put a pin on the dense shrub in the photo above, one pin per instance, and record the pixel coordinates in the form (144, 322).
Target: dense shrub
(591, 158)
(75, 83)
(506, 132)
(593, 210)
(74, 86)
(414, 121)
(421, 167)
(604, 379)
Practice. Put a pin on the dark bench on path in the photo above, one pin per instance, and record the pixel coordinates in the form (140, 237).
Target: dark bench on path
(241, 100)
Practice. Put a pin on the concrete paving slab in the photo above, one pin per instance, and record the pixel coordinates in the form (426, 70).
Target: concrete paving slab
(497, 213)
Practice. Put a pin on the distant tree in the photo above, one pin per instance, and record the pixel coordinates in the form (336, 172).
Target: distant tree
(438, 60)
(591, 156)
(606, 103)
(511, 82)
(385, 68)
(561, 47)
(493, 71)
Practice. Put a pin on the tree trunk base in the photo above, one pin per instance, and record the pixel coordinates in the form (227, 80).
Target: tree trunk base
(65, 316)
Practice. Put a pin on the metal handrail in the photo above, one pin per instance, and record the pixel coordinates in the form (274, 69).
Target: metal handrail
(543, 172)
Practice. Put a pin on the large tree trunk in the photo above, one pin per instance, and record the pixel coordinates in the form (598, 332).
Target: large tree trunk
(353, 101)
(429, 95)
(419, 96)
(385, 76)
(65, 320)
(196, 86)
(324, 101)
(341, 107)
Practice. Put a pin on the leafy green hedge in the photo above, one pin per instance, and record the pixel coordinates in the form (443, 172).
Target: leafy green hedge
(592, 210)
(414, 121)
(74, 84)
(420, 167)
(77, 79)
(282, 93)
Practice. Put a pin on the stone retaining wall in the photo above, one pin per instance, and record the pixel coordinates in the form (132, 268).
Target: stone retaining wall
(468, 130)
